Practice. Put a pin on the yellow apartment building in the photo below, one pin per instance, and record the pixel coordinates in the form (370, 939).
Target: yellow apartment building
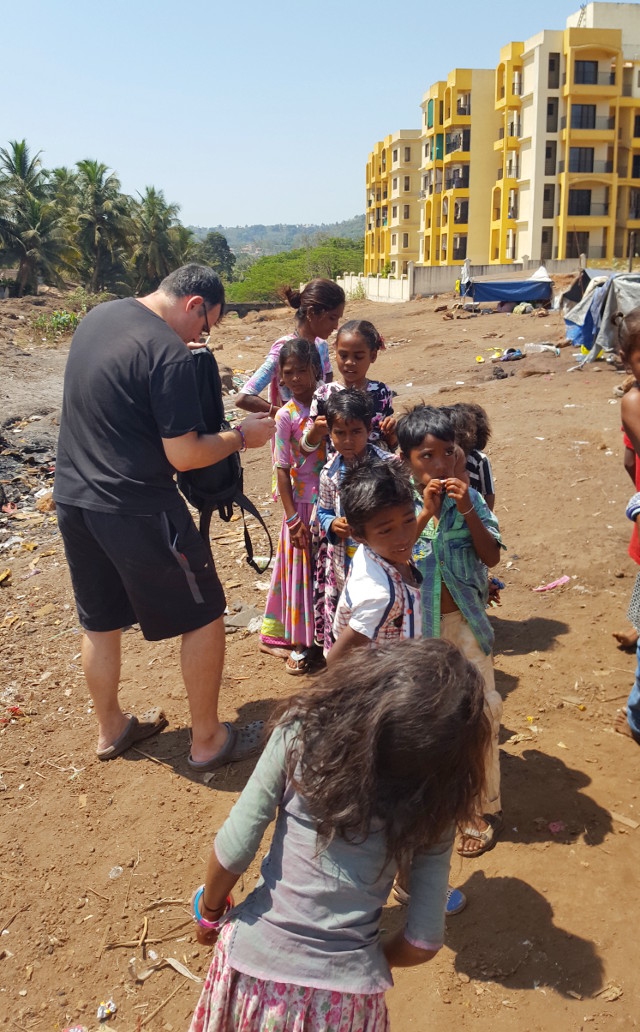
(578, 188)
(538, 158)
(392, 218)
(456, 168)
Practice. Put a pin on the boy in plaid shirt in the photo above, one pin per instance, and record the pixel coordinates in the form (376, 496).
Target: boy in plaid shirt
(381, 596)
(459, 538)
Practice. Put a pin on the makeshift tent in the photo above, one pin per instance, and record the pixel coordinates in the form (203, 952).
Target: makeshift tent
(537, 288)
(589, 324)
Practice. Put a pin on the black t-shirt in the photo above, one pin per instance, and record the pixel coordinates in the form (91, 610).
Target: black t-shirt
(130, 381)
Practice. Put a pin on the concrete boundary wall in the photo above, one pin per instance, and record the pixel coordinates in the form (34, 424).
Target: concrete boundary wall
(440, 279)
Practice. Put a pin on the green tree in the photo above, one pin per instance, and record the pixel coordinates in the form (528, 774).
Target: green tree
(185, 245)
(154, 253)
(35, 237)
(217, 253)
(20, 173)
(105, 227)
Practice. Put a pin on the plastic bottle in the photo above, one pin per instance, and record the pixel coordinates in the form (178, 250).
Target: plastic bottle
(531, 349)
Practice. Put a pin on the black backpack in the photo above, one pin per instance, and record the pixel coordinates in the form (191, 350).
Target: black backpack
(219, 486)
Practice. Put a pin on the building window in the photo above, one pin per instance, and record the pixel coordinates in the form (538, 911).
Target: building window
(394, 266)
(581, 159)
(586, 73)
(553, 81)
(394, 239)
(583, 116)
(430, 114)
(407, 183)
(395, 154)
(579, 202)
(407, 154)
(394, 183)
(405, 211)
(405, 239)
(636, 124)
(394, 211)
(552, 115)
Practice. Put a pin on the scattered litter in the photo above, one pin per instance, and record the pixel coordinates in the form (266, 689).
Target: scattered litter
(459, 383)
(5, 576)
(106, 1010)
(627, 821)
(157, 965)
(479, 359)
(539, 438)
(561, 745)
(520, 737)
(610, 993)
(530, 349)
(115, 872)
(553, 584)
(261, 585)
(410, 384)
(557, 827)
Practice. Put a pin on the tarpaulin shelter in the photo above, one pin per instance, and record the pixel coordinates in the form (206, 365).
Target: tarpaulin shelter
(589, 324)
(537, 288)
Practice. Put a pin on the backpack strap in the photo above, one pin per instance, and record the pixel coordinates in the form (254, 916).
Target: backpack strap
(243, 503)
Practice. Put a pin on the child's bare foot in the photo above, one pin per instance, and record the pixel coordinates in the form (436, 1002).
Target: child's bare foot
(621, 725)
(626, 639)
(275, 650)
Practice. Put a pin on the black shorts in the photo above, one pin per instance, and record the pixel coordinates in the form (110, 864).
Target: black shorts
(153, 570)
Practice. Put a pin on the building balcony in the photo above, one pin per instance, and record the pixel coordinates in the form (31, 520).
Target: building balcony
(600, 124)
(463, 109)
(459, 253)
(598, 168)
(550, 168)
(452, 182)
(601, 79)
(512, 171)
(595, 210)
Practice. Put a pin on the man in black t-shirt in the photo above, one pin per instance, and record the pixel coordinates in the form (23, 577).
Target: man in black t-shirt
(131, 417)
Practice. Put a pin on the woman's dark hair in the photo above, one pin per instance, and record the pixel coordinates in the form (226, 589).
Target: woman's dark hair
(350, 404)
(372, 485)
(195, 279)
(398, 738)
(628, 332)
(319, 295)
(414, 426)
(364, 329)
(304, 351)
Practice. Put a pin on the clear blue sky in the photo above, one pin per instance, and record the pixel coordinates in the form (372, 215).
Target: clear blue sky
(241, 111)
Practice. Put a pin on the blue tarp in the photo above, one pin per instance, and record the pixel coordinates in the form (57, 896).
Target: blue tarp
(511, 290)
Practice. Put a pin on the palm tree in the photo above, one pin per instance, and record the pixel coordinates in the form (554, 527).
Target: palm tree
(19, 172)
(153, 256)
(35, 237)
(185, 246)
(104, 224)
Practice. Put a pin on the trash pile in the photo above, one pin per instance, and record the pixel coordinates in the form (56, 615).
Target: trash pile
(27, 467)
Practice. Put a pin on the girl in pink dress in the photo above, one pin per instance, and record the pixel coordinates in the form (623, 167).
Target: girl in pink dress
(287, 627)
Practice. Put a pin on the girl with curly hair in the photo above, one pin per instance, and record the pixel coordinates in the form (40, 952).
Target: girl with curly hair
(368, 771)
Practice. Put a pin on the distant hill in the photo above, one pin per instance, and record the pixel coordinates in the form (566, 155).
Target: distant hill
(264, 240)
(264, 276)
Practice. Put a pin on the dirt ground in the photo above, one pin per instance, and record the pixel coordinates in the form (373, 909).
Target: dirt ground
(98, 861)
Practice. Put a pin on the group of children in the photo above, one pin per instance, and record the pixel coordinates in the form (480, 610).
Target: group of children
(386, 541)
(387, 529)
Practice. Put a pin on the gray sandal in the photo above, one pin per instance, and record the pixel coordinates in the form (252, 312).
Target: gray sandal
(241, 742)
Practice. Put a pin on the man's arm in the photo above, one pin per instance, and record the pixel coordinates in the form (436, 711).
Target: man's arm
(194, 450)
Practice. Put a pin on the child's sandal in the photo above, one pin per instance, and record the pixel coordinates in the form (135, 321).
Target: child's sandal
(297, 663)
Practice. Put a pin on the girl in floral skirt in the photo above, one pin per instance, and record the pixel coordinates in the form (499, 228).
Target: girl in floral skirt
(287, 628)
(369, 770)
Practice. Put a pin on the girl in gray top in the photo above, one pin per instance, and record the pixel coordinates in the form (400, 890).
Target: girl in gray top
(369, 771)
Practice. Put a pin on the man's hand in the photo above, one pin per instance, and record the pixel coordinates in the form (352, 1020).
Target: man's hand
(258, 428)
